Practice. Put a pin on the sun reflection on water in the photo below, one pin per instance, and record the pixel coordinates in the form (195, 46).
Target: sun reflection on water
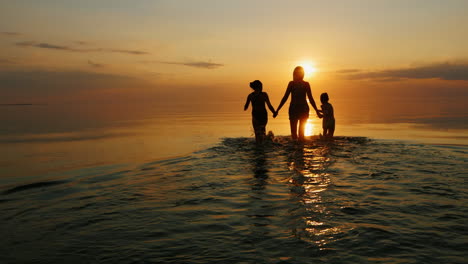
(309, 164)
(311, 128)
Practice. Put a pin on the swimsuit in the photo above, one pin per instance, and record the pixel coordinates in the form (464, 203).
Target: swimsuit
(298, 111)
(328, 123)
(329, 118)
(259, 113)
(299, 108)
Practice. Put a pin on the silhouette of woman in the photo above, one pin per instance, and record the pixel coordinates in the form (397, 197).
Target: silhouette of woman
(298, 109)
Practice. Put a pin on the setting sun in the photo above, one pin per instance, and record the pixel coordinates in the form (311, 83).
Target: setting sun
(309, 68)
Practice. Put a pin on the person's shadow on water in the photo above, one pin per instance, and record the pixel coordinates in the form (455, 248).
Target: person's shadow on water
(260, 209)
(260, 168)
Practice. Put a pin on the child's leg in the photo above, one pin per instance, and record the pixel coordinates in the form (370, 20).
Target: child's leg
(259, 130)
(324, 128)
(331, 129)
(255, 127)
(260, 133)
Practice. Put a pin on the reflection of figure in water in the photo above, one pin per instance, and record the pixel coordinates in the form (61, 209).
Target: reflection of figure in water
(259, 112)
(260, 169)
(326, 113)
(298, 109)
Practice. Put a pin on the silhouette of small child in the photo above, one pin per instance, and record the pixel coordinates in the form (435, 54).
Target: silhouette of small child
(259, 112)
(328, 123)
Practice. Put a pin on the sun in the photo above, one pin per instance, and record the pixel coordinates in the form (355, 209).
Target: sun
(309, 68)
(309, 129)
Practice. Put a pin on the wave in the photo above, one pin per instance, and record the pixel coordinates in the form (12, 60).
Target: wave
(34, 185)
(352, 200)
(65, 137)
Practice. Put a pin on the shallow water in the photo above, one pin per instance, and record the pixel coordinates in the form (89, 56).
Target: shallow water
(356, 200)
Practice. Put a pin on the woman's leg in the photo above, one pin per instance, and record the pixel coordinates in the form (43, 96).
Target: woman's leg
(302, 124)
(293, 123)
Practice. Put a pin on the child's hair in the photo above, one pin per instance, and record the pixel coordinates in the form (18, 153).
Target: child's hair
(298, 73)
(256, 85)
(324, 98)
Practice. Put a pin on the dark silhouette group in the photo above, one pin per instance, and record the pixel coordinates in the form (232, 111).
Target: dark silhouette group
(300, 91)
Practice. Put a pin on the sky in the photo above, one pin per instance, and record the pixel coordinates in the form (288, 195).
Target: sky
(209, 50)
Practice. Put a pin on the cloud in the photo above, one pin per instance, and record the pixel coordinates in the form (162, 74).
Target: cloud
(132, 52)
(7, 61)
(348, 71)
(79, 42)
(96, 65)
(10, 34)
(44, 45)
(197, 64)
(201, 64)
(444, 71)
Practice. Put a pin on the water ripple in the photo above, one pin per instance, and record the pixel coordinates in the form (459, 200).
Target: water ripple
(353, 200)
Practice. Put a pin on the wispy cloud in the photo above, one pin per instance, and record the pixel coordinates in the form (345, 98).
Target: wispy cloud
(445, 71)
(348, 71)
(132, 52)
(196, 64)
(10, 34)
(7, 61)
(44, 45)
(94, 64)
(79, 42)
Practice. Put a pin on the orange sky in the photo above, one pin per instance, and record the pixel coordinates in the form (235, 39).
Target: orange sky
(209, 50)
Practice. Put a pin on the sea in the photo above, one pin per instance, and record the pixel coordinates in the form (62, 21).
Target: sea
(187, 184)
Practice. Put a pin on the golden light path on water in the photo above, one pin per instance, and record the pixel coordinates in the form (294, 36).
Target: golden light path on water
(310, 180)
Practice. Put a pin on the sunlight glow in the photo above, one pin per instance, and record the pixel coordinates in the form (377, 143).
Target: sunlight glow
(309, 68)
(309, 129)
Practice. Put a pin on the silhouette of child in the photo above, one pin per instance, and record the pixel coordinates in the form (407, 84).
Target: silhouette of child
(259, 112)
(328, 123)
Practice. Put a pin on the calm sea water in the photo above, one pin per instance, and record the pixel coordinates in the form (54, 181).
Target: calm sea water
(87, 186)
